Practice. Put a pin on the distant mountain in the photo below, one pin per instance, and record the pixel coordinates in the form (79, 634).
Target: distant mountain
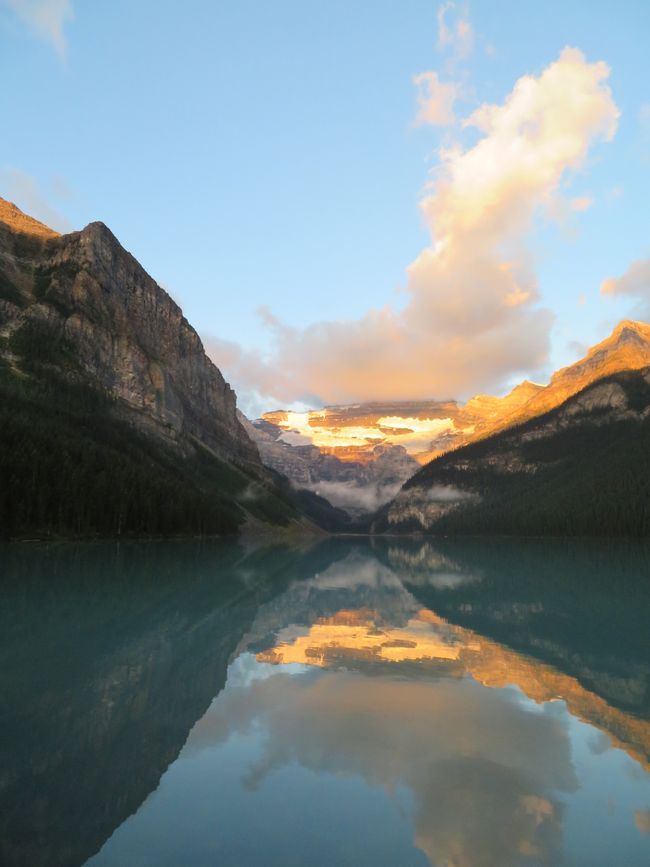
(359, 455)
(112, 418)
(581, 468)
(357, 486)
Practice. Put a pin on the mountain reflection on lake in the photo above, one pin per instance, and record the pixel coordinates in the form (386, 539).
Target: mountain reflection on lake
(471, 703)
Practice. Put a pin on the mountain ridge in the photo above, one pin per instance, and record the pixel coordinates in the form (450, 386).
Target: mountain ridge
(316, 448)
(581, 468)
(113, 420)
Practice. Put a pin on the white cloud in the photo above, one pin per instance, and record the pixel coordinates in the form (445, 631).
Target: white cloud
(357, 498)
(46, 18)
(471, 321)
(635, 282)
(435, 100)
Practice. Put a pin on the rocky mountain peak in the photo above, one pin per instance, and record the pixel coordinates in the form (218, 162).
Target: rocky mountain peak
(631, 328)
(127, 333)
(626, 348)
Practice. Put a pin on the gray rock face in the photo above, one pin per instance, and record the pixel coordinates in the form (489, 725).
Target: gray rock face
(358, 488)
(128, 335)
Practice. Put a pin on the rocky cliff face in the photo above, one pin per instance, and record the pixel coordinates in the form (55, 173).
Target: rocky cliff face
(127, 334)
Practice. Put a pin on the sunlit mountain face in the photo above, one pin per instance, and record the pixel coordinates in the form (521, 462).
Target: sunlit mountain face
(358, 456)
(389, 703)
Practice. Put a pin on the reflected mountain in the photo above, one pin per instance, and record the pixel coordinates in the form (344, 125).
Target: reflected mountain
(110, 654)
(582, 607)
(557, 621)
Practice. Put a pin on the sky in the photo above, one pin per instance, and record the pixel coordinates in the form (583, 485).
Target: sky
(350, 201)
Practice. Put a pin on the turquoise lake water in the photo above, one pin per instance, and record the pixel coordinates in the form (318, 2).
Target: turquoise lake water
(476, 703)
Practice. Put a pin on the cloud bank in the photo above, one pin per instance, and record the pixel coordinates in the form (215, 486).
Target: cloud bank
(471, 318)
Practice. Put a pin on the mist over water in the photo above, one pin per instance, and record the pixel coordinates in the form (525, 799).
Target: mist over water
(386, 702)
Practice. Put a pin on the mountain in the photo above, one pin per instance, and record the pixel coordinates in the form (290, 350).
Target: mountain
(357, 486)
(359, 455)
(112, 418)
(627, 348)
(581, 468)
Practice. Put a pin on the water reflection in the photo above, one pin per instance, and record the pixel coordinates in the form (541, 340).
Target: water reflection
(483, 770)
(345, 704)
(109, 655)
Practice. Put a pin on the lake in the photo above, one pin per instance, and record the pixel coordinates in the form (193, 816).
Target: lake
(354, 702)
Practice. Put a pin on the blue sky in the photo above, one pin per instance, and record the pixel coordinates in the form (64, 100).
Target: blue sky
(258, 154)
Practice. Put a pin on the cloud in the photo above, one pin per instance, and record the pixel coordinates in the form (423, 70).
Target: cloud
(455, 32)
(435, 100)
(446, 494)
(635, 282)
(46, 18)
(357, 498)
(21, 188)
(471, 320)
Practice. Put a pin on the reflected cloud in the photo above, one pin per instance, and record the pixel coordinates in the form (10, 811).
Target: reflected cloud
(483, 769)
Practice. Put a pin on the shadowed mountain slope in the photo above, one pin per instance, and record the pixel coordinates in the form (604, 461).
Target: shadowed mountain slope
(580, 469)
(112, 418)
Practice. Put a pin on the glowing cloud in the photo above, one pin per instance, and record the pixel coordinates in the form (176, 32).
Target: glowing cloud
(470, 321)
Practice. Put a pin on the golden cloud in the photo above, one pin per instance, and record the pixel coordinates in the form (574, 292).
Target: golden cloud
(472, 318)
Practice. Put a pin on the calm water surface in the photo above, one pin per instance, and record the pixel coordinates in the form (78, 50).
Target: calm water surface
(466, 704)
